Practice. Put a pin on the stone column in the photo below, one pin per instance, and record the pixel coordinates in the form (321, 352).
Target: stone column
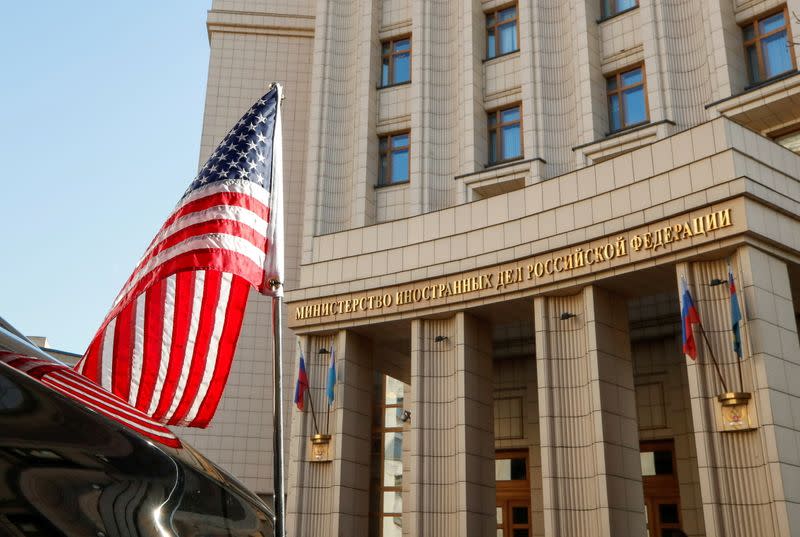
(749, 480)
(328, 499)
(452, 429)
(591, 473)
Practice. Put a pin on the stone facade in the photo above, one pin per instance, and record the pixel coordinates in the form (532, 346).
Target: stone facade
(530, 306)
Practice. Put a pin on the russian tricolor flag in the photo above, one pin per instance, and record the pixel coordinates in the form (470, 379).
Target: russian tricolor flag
(302, 384)
(689, 317)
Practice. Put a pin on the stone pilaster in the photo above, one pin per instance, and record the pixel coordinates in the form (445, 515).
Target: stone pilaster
(748, 479)
(452, 429)
(328, 499)
(591, 475)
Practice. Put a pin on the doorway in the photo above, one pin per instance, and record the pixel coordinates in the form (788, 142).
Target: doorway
(661, 491)
(513, 493)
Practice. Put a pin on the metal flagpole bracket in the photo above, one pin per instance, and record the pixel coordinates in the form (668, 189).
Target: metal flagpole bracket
(735, 411)
(321, 448)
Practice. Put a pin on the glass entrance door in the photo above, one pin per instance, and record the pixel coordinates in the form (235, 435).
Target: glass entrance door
(513, 493)
(661, 492)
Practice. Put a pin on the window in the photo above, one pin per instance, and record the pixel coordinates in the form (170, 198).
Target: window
(788, 138)
(615, 7)
(501, 31)
(396, 61)
(387, 468)
(505, 134)
(394, 160)
(767, 47)
(627, 99)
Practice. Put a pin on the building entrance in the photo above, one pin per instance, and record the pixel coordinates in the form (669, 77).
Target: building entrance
(513, 493)
(661, 491)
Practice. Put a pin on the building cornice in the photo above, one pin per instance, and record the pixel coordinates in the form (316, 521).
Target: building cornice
(250, 22)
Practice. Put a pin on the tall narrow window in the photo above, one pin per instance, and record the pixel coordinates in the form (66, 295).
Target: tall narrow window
(387, 470)
(627, 99)
(501, 31)
(767, 46)
(505, 134)
(395, 61)
(395, 159)
(615, 7)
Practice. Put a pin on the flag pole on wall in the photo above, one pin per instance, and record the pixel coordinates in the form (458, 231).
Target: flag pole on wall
(277, 419)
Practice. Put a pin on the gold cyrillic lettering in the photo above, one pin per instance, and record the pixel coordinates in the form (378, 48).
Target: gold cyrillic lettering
(621, 247)
(711, 222)
(725, 218)
(698, 226)
(579, 258)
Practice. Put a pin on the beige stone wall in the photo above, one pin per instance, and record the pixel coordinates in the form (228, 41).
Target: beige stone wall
(747, 480)
(452, 435)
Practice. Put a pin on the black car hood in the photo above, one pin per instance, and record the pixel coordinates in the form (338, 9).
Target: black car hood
(66, 470)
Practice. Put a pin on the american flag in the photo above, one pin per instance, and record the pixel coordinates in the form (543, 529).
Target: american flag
(167, 344)
(69, 383)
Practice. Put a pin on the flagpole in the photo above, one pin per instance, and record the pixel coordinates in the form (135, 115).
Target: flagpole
(310, 398)
(732, 292)
(277, 420)
(713, 358)
(741, 380)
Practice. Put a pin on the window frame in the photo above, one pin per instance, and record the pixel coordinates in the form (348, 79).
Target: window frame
(499, 139)
(383, 182)
(379, 430)
(604, 16)
(756, 42)
(495, 12)
(620, 89)
(391, 55)
(787, 130)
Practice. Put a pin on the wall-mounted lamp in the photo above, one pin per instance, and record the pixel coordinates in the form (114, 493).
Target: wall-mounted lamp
(567, 315)
(716, 281)
(323, 350)
(439, 339)
(406, 416)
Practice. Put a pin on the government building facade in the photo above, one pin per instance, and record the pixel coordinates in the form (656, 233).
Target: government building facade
(497, 213)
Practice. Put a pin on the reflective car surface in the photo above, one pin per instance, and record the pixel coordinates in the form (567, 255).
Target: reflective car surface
(68, 468)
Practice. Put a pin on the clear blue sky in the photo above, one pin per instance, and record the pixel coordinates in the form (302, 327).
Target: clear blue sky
(101, 109)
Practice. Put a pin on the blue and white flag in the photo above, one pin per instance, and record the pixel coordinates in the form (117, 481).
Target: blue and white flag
(331, 377)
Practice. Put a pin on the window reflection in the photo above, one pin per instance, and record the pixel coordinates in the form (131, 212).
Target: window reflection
(627, 99)
(505, 134)
(501, 32)
(767, 43)
(396, 61)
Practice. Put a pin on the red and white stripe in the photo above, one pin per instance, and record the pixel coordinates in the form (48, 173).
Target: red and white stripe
(168, 353)
(166, 345)
(71, 384)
